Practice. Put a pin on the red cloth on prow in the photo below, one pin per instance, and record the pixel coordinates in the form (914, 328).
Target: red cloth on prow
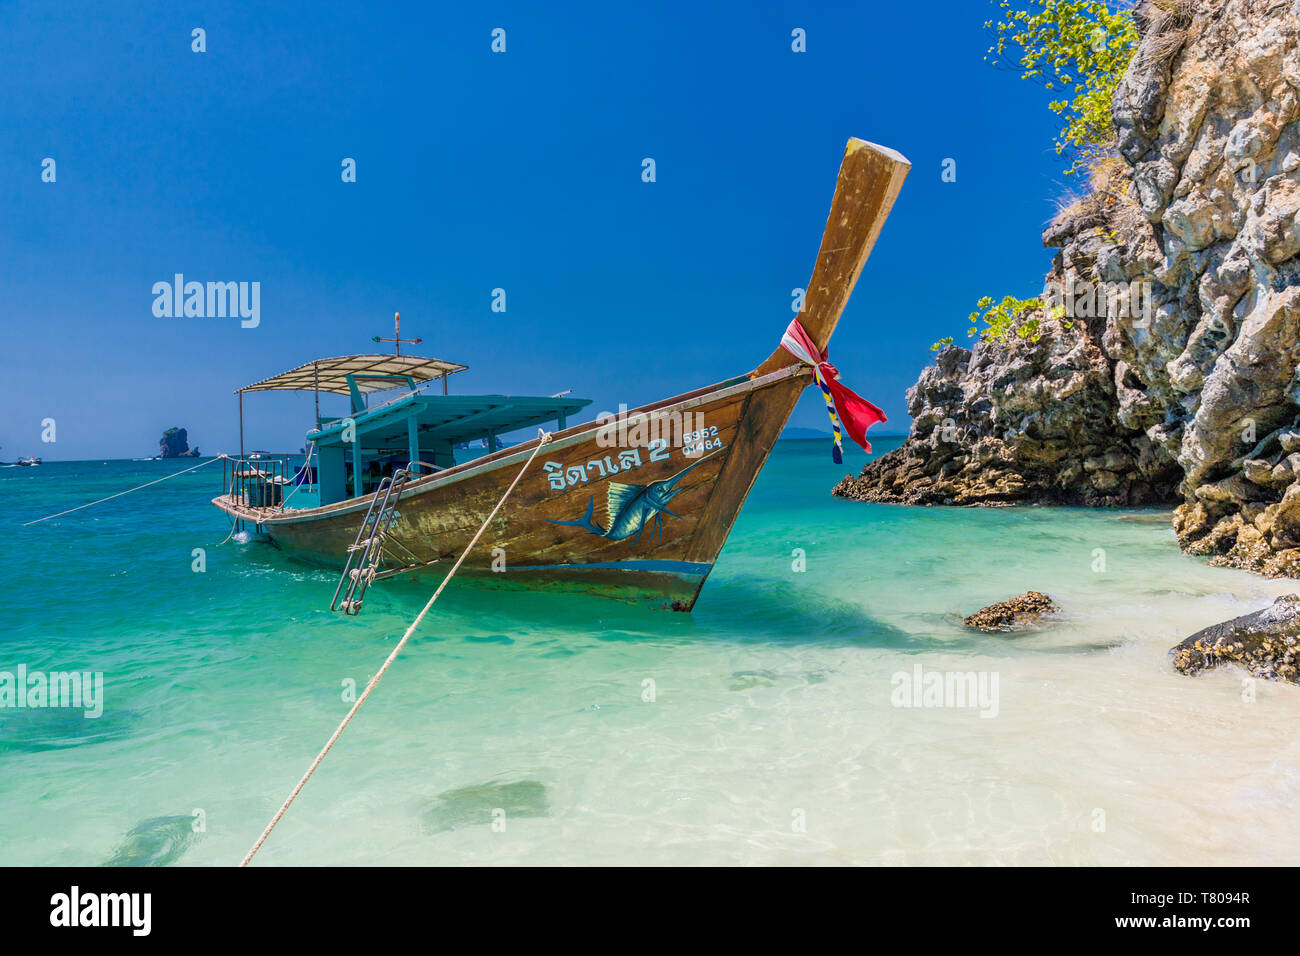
(856, 414)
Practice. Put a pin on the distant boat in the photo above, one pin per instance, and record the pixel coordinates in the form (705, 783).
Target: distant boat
(641, 517)
(28, 461)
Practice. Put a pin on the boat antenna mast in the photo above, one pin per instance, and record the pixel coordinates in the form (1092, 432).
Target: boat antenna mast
(397, 339)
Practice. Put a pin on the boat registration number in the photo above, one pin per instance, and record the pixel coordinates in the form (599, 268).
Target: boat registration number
(696, 443)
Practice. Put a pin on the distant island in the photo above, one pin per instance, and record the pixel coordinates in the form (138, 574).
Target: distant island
(801, 432)
(175, 444)
(798, 431)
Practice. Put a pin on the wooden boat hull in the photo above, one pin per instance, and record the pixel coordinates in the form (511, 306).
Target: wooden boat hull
(561, 528)
(625, 517)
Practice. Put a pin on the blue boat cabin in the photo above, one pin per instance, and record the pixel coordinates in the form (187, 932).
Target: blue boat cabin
(350, 455)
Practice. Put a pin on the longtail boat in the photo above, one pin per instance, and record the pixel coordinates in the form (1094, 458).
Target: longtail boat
(635, 506)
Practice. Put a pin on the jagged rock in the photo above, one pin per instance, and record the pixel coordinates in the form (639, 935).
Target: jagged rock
(1265, 643)
(1168, 401)
(1028, 608)
(175, 444)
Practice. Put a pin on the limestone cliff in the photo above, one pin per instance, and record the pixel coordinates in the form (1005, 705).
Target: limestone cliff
(175, 444)
(1169, 371)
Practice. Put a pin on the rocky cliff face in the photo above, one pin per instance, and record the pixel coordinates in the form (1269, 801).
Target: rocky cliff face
(1169, 372)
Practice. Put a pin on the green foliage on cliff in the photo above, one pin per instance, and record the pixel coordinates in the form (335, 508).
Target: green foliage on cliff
(1077, 48)
(1022, 318)
(1012, 317)
(1005, 318)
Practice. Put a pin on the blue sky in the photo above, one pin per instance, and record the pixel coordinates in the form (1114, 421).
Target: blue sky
(475, 171)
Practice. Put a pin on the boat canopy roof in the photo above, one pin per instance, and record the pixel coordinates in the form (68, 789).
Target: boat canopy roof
(372, 373)
(451, 419)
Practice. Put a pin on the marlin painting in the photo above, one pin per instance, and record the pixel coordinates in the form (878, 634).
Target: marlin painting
(408, 468)
(632, 507)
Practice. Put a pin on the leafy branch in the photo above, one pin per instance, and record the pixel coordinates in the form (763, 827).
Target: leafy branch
(1010, 318)
(1077, 48)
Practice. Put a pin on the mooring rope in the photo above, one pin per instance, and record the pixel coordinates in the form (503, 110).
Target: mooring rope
(121, 493)
(233, 526)
(543, 438)
(306, 469)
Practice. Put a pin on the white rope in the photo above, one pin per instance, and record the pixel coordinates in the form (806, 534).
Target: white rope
(306, 465)
(543, 438)
(233, 525)
(121, 493)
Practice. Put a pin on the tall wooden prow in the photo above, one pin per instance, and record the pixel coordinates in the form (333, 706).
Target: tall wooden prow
(869, 181)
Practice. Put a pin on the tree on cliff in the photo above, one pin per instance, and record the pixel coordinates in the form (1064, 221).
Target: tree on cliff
(1078, 49)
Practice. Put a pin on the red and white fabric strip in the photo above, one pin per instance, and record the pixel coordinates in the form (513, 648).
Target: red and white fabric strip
(856, 413)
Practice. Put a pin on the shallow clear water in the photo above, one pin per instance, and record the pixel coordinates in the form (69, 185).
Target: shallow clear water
(771, 736)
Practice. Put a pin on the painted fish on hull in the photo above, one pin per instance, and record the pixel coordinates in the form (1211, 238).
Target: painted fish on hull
(632, 507)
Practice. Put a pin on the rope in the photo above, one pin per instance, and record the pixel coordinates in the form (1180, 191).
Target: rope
(296, 488)
(233, 525)
(836, 454)
(121, 493)
(543, 438)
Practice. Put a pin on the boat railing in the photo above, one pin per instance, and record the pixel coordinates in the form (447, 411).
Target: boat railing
(260, 482)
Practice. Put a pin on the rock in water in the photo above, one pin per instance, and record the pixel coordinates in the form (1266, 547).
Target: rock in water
(34, 730)
(158, 841)
(1017, 422)
(1264, 643)
(470, 806)
(1028, 608)
(174, 443)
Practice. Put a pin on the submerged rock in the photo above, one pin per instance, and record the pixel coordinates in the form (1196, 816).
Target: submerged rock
(1028, 608)
(158, 841)
(34, 730)
(748, 680)
(469, 806)
(1265, 643)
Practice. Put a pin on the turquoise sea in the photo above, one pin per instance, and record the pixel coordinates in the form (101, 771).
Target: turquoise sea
(547, 729)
